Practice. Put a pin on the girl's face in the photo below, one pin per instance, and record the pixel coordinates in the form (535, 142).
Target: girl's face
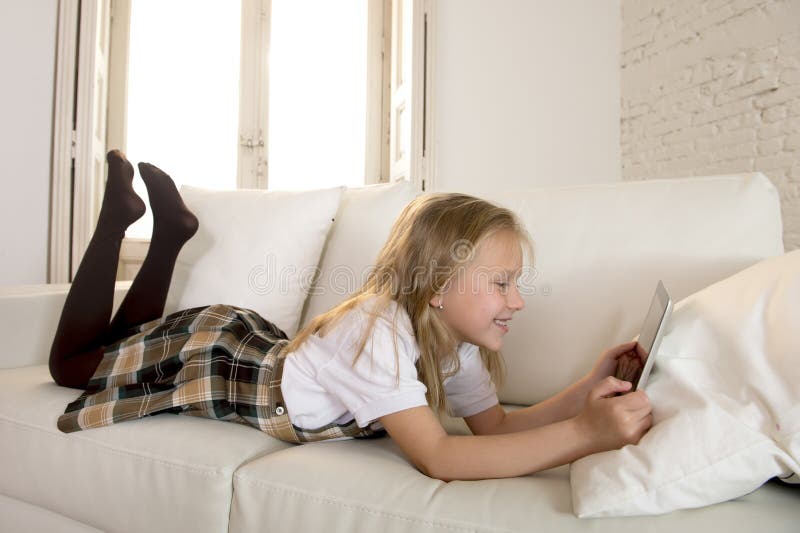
(481, 299)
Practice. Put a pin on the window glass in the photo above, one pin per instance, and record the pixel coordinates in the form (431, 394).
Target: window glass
(317, 93)
(183, 92)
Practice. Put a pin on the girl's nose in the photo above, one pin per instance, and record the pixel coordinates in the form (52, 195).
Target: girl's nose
(515, 300)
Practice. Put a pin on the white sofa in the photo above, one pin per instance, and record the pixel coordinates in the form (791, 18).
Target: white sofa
(599, 251)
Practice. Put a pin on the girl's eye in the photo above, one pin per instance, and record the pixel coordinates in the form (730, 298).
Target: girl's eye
(501, 284)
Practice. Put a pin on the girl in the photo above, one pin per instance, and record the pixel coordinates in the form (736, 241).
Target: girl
(422, 334)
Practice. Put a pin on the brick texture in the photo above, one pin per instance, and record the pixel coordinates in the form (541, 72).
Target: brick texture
(713, 87)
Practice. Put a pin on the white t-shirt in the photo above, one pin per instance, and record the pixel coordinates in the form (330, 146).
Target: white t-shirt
(320, 385)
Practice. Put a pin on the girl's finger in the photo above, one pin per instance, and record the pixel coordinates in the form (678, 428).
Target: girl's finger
(622, 349)
(646, 422)
(609, 386)
(638, 403)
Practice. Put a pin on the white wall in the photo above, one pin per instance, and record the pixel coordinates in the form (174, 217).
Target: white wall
(713, 87)
(27, 61)
(527, 93)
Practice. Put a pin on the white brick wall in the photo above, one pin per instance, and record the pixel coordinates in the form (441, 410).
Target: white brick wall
(713, 87)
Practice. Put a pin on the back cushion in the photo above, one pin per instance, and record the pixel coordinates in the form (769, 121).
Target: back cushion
(601, 249)
(255, 249)
(361, 227)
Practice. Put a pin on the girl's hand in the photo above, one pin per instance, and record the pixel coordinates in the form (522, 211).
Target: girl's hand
(606, 364)
(610, 422)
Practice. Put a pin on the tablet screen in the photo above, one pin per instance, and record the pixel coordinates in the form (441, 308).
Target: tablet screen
(651, 329)
(637, 370)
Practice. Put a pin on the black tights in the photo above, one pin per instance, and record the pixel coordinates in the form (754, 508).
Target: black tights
(84, 329)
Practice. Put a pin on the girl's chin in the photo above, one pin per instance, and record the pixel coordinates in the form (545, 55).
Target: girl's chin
(490, 342)
(495, 345)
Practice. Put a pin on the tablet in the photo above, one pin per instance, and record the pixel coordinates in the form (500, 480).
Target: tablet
(638, 370)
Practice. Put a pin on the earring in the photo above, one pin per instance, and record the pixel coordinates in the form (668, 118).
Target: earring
(441, 307)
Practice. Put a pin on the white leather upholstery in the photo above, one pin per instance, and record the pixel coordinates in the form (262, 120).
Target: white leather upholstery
(165, 473)
(362, 224)
(21, 517)
(28, 318)
(601, 249)
(369, 486)
(175, 473)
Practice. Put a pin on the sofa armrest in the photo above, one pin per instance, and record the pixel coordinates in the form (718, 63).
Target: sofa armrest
(29, 316)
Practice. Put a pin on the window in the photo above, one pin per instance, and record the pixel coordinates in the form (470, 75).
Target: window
(282, 94)
(183, 88)
(250, 93)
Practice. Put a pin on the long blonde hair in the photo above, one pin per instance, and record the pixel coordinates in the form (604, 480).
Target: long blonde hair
(435, 235)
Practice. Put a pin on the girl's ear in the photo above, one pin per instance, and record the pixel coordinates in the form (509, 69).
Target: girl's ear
(436, 299)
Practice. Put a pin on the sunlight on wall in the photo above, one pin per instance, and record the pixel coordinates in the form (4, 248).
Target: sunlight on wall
(183, 93)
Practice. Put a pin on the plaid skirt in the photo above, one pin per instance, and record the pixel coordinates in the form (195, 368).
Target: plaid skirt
(218, 361)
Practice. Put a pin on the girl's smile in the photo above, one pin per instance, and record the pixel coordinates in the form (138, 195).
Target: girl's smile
(503, 324)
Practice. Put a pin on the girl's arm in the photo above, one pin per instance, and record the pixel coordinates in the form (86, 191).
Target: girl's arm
(605, 423)
(496, 420)
(566, 404)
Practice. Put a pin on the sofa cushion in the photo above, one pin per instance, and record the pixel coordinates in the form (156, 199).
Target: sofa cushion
(254, 249)
(16, 515)
(29, 310)
(370, 486)
(365, 217)
(163, 473)
(599, 252)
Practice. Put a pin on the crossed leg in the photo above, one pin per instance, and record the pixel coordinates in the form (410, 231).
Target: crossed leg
(84, 329)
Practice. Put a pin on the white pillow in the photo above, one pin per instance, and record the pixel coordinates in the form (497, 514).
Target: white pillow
(365, 217)
(726, 402)
(254, 249)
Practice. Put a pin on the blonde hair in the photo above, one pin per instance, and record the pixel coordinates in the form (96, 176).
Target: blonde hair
(435, 235)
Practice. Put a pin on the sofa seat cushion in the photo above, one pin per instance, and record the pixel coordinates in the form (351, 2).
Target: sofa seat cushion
(162, 473)
(16, 515)
(370, 486)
